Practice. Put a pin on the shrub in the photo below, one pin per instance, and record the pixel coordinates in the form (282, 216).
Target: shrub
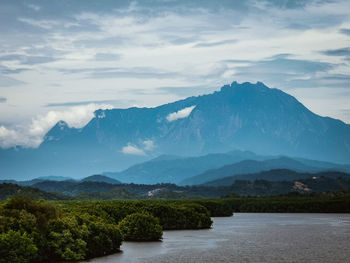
(17, 248)
(66, 239)
(140, 227)
(103, 238)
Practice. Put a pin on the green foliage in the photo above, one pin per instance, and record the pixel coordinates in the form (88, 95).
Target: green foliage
(76, 230)
(66, 239)
(21, 206)
(140, 227)
(217, 207)
(293, 203)
(42, 231)
(8, 190)
(103, 238)
(16, 247)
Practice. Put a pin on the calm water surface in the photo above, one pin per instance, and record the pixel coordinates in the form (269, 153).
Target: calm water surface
(248, 237)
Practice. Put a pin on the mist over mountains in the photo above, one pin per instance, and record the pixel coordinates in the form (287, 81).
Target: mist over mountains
(250, 117)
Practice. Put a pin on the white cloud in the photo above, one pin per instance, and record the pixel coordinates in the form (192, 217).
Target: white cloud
(148, 145)
(184, 113)
(132, 150)
(8, 137)
(32, 135)
(34, 7)
(45, 24)
(163, 38)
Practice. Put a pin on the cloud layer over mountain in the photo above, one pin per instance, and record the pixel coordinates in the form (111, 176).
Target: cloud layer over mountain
(64, 53)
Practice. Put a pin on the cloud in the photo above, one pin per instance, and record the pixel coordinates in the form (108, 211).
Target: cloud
(281, 71)
(33, 7)
(148, 145)
(107, 57)
(338, 52)
(32, 135)
(218, 43)
(79, 103)
(9, 137)
(119, 72)
(345, 31)
(120, 46)
(132, 150)
(6, 70)
(8, 81)
(185, 91)
(3, 99)
(27, 59)
(137, 74)
(45, 24)
(184, 113)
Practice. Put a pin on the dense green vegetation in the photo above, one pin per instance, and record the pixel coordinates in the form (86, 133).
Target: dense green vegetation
(68, 230)
(329, 202)
(273, 182)
(140, 227)
(8, 189)
(45, 232)
(252, 185)
(42, 231)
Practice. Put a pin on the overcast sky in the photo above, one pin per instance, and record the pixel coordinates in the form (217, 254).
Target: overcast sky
(63, 59)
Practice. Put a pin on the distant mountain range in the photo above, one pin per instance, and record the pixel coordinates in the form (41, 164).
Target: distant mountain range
(246, 116)
(252, 166)
(278, 182)
(100, 178)
(277, 175)
(174, 169)
(63, 180)
(201, 169)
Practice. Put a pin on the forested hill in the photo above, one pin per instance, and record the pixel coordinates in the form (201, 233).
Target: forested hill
(8, 190)
(311, 183)
(277, 175)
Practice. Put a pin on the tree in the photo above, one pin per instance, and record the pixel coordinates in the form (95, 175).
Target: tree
(140, 227)
(17, 248)
(67, 239)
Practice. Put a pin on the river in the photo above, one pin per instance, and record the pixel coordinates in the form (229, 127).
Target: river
(248, 237)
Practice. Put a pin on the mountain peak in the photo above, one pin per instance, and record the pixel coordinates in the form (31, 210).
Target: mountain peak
(58, 131)
(245, 85)
(246, 116)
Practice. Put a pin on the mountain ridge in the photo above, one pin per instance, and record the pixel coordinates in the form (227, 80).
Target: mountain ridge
(246, 167)
(239, 116)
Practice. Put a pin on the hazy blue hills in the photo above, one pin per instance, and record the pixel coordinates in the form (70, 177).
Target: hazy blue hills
(100, 178)
(73, 188)
(53, 190)
(8, 190)
(275, 176)
(253, 166)
(174, 169)
(56, 180)
(243, 116)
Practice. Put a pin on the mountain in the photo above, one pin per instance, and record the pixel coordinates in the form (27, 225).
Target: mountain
(113, 194)
(38, 179)
(54, 178)
(303, 186)
(97, 190)
(72, 188)
(8, 190)
(249, 167)
(275, 176)
(174, 169)
(243, 116)
(100, 178)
